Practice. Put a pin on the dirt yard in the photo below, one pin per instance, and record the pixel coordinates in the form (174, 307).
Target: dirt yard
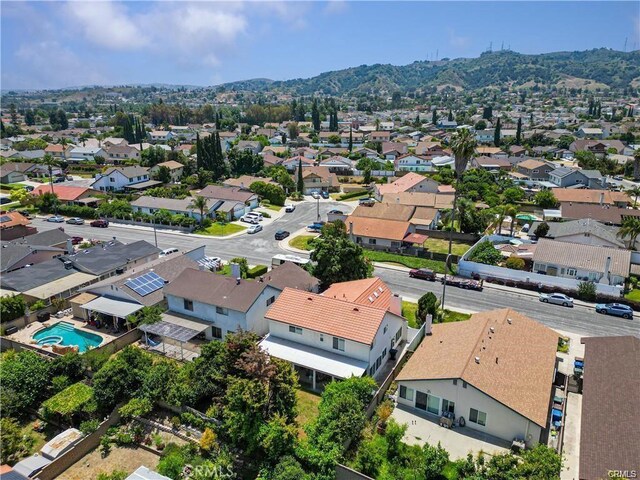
(126, 459)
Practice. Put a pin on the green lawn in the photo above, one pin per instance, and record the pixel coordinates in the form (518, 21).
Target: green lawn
(439, 245)
(218, 230)
(275, 208)
(301, 242)
(307, 408)
(633, 295)
(409, 310)
(451, 316)
(407, 261)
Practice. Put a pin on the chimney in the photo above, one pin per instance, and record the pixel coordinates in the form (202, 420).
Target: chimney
(607, 267)
(601, 198)
(69, 248)
(351, 231)
(427, 325)
(477, 360)
(238, 281)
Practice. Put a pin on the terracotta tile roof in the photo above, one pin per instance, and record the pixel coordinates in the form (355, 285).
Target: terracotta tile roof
(420, 199)
(402, 184)
(377, 228)
(516, 359)
(586, 195)
(371, 292)
(327, 315)
(386, 211)
(64, 193)
(583, 257)
(55, 148)
(13, 219)
(609, 436)
(171, 165)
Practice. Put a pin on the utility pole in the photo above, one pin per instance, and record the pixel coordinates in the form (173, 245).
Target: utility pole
(318, 208)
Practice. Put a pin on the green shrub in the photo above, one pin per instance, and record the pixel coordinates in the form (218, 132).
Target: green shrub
(11, 307)
(587, 291)
(136, 407)
(37, 305)
(347, 196)
(515, 263)
(257, 271)
(89, 426)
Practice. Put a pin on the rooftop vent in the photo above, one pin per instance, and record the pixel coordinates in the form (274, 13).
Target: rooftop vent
(355, 309)
(509, 321)
(477, 359)
(492, 329)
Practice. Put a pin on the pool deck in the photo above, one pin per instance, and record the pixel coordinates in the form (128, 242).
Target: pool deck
(25, 335)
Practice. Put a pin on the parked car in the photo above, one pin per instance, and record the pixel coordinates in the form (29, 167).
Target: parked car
(315, 195)
(59, 179)
(423, 273)
(282, 234)
(75, 221)
(29, 188)
(168, 251)
(557, 299)
(336, 212)
(615, 309)
(254, 229)
(289, 208)
(249, 219)
(324, 194)
(100, 223)
(314, 228)
(463, 283)
(4, 200)
(76, 240)
(367, 202)
(56, 219)
(254, 214)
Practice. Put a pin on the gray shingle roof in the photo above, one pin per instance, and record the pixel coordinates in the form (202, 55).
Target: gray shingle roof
(51, 237)
(110, 256)
(582, 226)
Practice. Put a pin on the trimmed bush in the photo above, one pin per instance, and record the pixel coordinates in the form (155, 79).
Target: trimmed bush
(257, 271)
(515, 263)
(347, 196)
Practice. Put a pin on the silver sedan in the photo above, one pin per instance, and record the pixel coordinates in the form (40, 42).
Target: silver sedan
(557, 299)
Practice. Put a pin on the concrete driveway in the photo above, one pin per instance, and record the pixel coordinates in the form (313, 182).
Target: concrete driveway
(459, 441)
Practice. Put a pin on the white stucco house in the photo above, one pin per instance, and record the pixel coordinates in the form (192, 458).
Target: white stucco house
(84, 154)
(493, 373)
(117, 178)
(328, 338)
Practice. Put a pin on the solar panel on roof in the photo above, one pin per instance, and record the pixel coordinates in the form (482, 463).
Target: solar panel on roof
(145, 284)
(5, 218)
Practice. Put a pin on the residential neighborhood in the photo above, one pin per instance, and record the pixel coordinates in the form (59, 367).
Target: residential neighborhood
(423, 270)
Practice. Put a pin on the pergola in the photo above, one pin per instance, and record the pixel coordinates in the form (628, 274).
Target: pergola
(178, 329)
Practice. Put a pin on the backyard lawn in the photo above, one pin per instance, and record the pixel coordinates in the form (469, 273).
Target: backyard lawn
(633, 295)
(440, 245)
(219, 230)
(301, 242)
(407, 261)
(307, 408)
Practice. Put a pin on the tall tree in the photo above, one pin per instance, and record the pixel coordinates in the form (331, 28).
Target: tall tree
(350, 139)
(199, 203)
(300, 180)
(49, 161)
(434, 116)
(519, 132)
(630, 229)
(487, 113)
(496, 134)
(450, 116)
(29, 117)
(315, 115)
(13, 113)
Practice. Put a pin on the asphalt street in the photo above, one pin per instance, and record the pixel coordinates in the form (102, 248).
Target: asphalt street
(261, 247)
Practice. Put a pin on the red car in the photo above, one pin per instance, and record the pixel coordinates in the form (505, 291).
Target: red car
(76, 240)
(423, 273)
(100, 223)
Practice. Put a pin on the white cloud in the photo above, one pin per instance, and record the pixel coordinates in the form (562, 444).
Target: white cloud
(456, 40)
(107, 24)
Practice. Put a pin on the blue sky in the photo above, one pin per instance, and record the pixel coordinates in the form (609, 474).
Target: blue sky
(60, 44)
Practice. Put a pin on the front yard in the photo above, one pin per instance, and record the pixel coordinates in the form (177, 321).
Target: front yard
(407, 261)
(302, 242)
(633, 295)
(439, 245)
(219, 230)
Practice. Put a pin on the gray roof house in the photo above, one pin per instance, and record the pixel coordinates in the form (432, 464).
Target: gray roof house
(571, 177)
(586, 231)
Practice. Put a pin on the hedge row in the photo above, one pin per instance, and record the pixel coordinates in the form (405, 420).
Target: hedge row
(357, 193)
(257, 271)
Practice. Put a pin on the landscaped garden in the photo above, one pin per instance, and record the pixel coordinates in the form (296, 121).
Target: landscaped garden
(404, 260)
(303, 242)
(217, 229)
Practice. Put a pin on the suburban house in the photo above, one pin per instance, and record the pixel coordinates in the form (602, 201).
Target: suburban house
(175, 170)
(609, 443)
(328, 338)
(380, 234)
(16, 255)
(591, 132)
(485, 136)
(15, 225)
(226, 304)
(421, 218)
(586, 231)
(118, 297)
(608, 214)
(318, 179)
(291, 275)
(161, 135)
(492, 164)
(291, 164)
(414, 163)
(474, 371)
(605, 265)
(58, 151)
(249, 146)
(570, 177)
(535, 170)
(420, 199)
(84, 154)
(175, 206)
(337, 164)
(116, 179)
(323, 137)
(428, 148)
(597, 147)
(372, 292)
(494, 152)
(245, 181)
(49, 238)
(380, 136)
(592, 196)
(235, 202)
(119, 153)
(12, 173)
(411, 182)
(70, 195)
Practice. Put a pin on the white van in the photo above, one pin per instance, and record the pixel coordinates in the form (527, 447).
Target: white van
(168, 251)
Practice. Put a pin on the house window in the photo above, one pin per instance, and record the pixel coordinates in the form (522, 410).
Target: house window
(386, 327)
(406, 393)
(222, 311)
(464, 384)
(216, 332)
(448, 406)
(111, 179)
(433, 404)
(296, 330)
(271, 300)
(338, 344)
(188, 305)
(398, 334)
(384, 353)
(372, 241)
(476, 416)
(322, 337)
(455, 381)
(571, 272)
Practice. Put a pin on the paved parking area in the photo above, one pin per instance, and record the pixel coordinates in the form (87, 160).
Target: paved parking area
(459, 441)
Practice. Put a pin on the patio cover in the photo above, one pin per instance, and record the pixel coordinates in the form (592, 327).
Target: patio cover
(175, 328)
(61, 285)
(111, 306)
(416, 238)
(313, 358)
(143, 185)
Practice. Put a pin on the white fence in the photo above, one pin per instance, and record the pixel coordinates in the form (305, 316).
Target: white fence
(375, 173)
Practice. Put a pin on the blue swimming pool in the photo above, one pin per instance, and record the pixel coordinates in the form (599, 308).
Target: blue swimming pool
(65, 334)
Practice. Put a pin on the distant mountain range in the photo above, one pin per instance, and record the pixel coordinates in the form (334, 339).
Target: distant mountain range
(600, 68)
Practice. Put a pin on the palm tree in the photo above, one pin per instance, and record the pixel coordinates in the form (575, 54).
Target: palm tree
(500, 212)
(49, 162)
(630, 229)
(635, 193)
(512, 211)
(636, 164)
(199, 203)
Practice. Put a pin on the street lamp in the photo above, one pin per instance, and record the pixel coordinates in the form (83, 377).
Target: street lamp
(318, 208)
